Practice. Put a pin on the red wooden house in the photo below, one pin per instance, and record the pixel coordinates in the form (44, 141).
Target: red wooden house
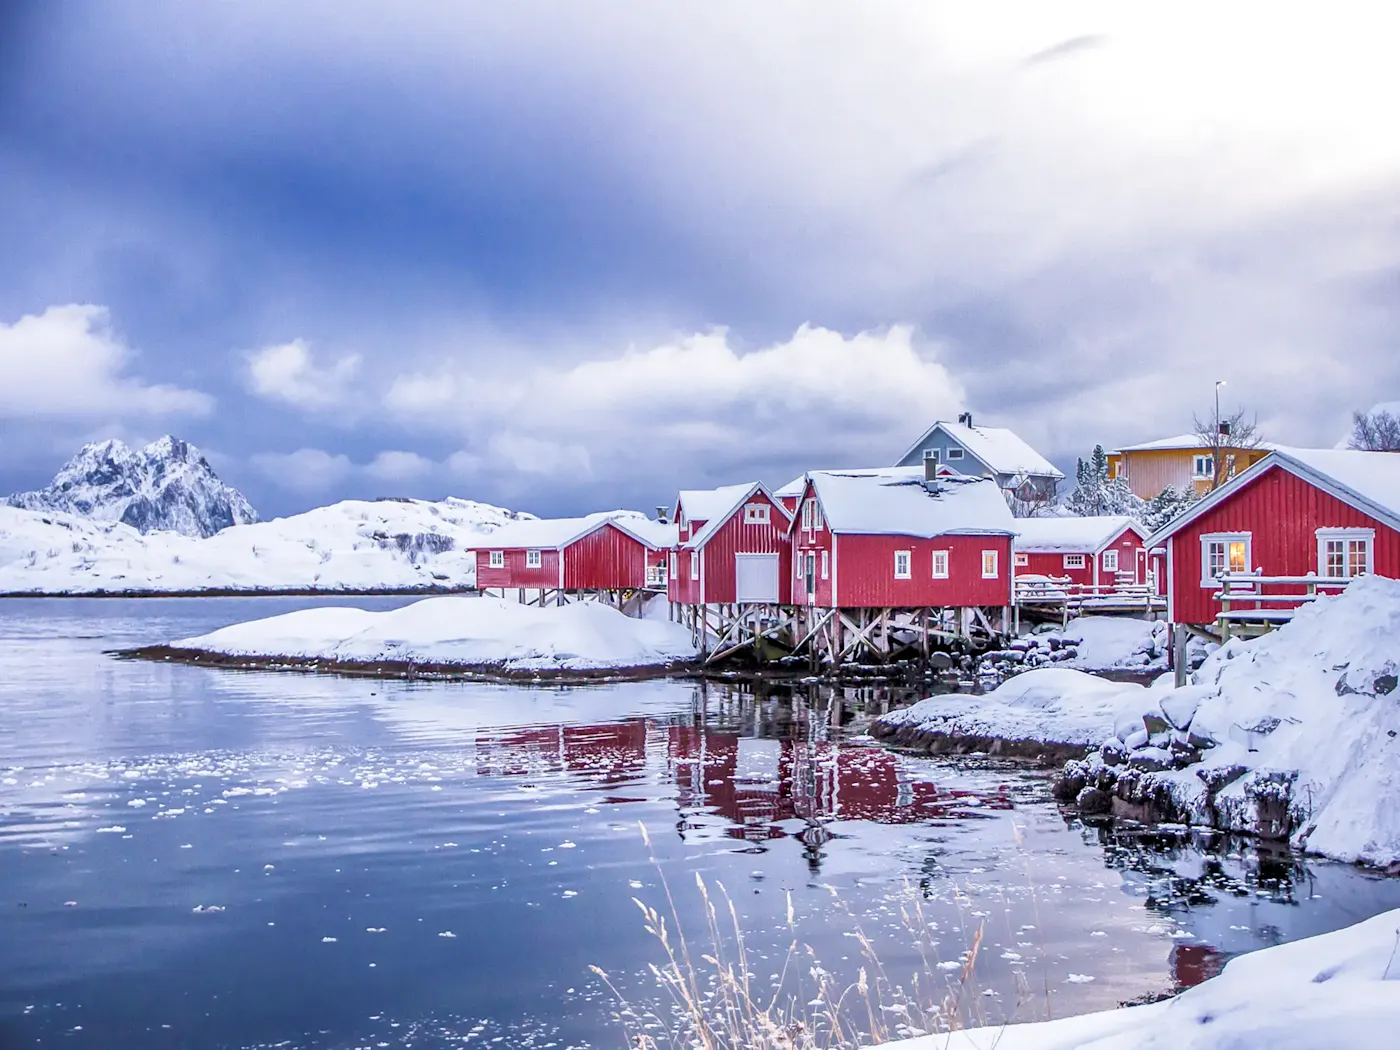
(888, 538)
(732, 548)
(1099, 552)
(610, 551)
(1330, 513)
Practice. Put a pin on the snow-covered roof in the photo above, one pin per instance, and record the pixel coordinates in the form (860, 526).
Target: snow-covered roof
(737, 496)
(894, 501)
(1002, 451)
(1180, 441)
(1368, 481)
(556, 533)
(1070, 535)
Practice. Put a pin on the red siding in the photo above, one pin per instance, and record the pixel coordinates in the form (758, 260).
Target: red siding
(606, 559)
(680, 587)
(814, 542)
(865, 572)
(1282, 514)
(1127, 543)
(1054, 565)
(735, 537)
(515, 574)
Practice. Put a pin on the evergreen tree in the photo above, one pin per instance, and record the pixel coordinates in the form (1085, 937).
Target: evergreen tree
(1095, 493)
(1166, 505)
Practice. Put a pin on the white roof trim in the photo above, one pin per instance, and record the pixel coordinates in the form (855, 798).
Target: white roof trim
(714, 524)
(1298, 469)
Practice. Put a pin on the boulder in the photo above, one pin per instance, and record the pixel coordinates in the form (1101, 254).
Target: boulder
(1093, 802)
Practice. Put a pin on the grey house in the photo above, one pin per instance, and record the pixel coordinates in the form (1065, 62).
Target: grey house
(1023, 474)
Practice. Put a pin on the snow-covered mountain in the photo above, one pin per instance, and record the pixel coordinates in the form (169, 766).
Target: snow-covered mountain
(349, 546)
(168, 486)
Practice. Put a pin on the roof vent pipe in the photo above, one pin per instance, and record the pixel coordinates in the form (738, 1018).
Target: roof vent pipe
(661, 514)
(965, 418)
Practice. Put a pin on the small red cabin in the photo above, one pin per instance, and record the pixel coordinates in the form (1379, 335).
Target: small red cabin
(1328, 513)
(888, 538)
(601, 552)
(732, 548)
(1100, 552)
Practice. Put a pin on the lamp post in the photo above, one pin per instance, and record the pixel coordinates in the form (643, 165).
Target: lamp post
(1215, 442)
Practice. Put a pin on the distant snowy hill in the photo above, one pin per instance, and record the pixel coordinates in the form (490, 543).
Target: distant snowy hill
(350, 546)
(166, 486)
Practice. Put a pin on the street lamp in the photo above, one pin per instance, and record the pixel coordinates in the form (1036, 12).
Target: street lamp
(1218, 384)
(1215, 442)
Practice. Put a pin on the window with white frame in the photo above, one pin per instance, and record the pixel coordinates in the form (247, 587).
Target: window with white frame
(496, 559)
(816, 516)
(931, 453)
(826, 565)
(694, 565)
(675, 565)
(533, 560)
(1023, 561)
(1343, 554)
(940, 565)
(989, 565)
(901, 565)
(955, 453)
(755, 514)
(1224, 552)
(1074, 561)
(1110, 561)
(1203, 467)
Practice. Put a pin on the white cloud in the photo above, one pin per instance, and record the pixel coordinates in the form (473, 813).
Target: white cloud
(288, 373)
(530, 455)
(68, 363)
(308, 471)
(399, 466)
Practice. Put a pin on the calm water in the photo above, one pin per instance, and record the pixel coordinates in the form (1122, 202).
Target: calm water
(195, 858)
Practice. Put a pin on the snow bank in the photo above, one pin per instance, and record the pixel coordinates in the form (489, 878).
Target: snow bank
(1089, 643)
(1341, 989)
(354, 545)
(1051, 705)
(1296, 733)
(470, 632)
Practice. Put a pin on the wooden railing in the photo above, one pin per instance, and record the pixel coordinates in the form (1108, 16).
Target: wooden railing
(656, 577)
(1267, 608)
(1073, 599)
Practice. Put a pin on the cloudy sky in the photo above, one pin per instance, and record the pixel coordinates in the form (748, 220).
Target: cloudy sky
(568, 256)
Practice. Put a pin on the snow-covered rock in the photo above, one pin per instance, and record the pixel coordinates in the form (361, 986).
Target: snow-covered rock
(1089, 643)
(168, 486)
(1293, 734)
(1339, 989)
(354, 545)
(471, 632)
(1050, 705)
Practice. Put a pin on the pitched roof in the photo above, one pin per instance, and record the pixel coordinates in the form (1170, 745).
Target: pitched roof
(1368, 481)
(1002, 451)
(1070, 535)
(1182, 442)
(894, 501)
(556, 533)
(710, 499)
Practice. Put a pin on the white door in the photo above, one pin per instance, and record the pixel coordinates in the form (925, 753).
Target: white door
(755, 578)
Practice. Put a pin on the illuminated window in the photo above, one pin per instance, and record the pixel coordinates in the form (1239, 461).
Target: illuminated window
(1222, 553)
(989, 565)
(756, 514)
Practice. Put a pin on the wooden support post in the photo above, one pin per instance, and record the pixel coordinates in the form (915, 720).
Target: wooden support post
(1179, 654)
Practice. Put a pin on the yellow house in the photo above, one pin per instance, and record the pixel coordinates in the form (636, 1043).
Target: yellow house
(1184, 461)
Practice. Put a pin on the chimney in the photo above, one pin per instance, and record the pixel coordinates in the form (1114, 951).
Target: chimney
(931, 475)
(965, 418)
(661, 513)
(1224, 428)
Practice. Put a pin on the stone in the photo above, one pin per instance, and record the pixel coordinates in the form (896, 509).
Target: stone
(1151, 759)
(1093, 802)
(940, 661)
(1179, 707)
(1156, 724)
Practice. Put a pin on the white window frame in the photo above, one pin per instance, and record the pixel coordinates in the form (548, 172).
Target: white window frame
(1202, 467)
(807, 515)
(1346, 536)
(955, 453)
(534, 559)
(1109, 561)
(940, 565)
(932, 453)
(1227, 538)
(675, 565)
(756, 514)
(826, 565)
(1022, 561)
(906, 559)
(995, 557)
(816, 516)
(694, 565)
(496, 560)
(1073, 561)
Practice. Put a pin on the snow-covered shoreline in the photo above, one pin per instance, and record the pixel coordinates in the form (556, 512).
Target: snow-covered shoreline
(452, 636)
(1339, 989)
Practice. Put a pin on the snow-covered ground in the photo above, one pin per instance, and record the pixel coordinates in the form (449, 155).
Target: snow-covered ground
(354, 545)
(1050, 705)
(1089, 643)
(1297, 733)
(1338, 990)
(476, 632)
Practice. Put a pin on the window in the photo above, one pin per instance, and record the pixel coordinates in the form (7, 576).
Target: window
(755, 514)
(806, 514)
(931, 453)
(1229, 466)
(989, 565)
(955, 453)
(497, 560)
(811, 515)
(816, 516)
(940, 565)
(1074, 561)
(901, 565)
(675, 565)
(826, 565)
(1343, 554)
(1223, 552)
(1203, 468)
(694, 565)
(1023, 561)
(1110, 561)
(533, 560)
